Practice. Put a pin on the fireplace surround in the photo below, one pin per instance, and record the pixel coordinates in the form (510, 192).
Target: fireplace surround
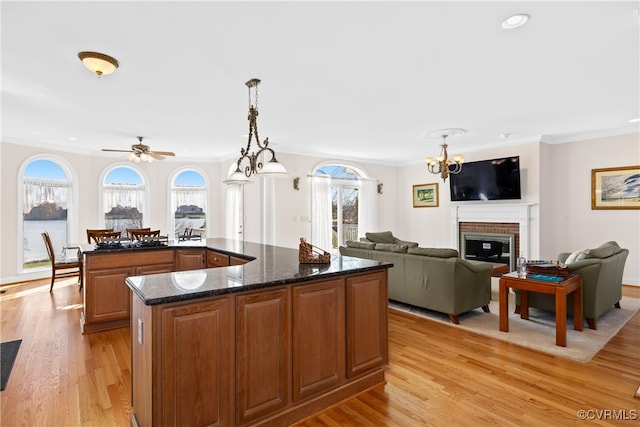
(495, 218)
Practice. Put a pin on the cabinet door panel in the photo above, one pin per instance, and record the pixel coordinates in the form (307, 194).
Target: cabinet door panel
(262, 353)
(366, 312)
(319, 337)
(196, 364)
(108, 295)
(190, 259)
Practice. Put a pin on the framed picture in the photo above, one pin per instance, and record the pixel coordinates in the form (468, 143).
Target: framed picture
(615, 188)
(425, 195)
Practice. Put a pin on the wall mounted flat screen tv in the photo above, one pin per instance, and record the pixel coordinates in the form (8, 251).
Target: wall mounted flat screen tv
(495, 179)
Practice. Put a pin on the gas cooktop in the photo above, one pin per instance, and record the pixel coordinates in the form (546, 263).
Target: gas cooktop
(130, 244)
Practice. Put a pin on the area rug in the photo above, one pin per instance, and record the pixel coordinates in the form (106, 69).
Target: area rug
(539, 332)
(8, 353)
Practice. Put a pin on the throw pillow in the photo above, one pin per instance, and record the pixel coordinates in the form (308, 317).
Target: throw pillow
(434, 252)
(380, 237)
(577, 256)
(360, 245)
(605, 250)
(391, 247)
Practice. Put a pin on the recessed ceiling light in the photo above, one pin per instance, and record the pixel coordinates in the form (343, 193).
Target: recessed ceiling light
(634, 120)
(515, 21)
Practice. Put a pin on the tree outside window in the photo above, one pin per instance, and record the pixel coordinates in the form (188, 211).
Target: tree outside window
(124, 196)
(46, 194)
(189, 203)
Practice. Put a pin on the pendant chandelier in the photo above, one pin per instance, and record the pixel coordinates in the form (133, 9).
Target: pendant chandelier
(442, 165)
(251, 163)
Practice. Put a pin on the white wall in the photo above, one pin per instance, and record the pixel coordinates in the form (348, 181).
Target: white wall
(556, 180)
(431, 226)
(88, 170)
(570, 223)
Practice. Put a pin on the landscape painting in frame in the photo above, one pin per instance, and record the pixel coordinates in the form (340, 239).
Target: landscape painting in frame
(615, 188)
(425, 195)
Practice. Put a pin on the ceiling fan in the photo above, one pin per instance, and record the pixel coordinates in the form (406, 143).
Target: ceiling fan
(141, 152)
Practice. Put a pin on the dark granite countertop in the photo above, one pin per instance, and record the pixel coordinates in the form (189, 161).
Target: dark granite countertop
(269, 266)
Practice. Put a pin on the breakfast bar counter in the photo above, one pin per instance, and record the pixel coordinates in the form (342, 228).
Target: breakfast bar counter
(255, 339)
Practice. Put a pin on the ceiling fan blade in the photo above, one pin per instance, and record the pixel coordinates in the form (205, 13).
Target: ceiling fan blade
(163, 153)
(116, 151)
(156, 156)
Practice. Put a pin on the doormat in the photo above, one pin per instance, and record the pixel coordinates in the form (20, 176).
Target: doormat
(8, 353)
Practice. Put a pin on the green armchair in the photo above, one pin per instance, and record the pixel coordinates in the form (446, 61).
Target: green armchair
(601, 272)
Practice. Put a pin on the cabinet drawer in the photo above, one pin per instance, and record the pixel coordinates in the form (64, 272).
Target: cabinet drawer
(216, 259)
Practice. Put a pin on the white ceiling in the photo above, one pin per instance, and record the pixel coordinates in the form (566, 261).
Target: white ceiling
(355, 80)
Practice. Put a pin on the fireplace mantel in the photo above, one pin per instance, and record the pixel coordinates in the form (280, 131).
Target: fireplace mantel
(498, 212)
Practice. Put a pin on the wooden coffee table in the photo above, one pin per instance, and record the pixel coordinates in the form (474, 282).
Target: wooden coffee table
(573, 283)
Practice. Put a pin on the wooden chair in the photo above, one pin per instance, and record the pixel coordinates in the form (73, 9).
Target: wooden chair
(102, 236)
(189, 235)
(95, 234)
(130, 231)
(145, 235)
(66, 267)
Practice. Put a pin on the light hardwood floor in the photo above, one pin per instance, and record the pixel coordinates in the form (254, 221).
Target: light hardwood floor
(438, 374)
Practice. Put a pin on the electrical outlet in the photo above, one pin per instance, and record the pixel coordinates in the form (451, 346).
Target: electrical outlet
(140, 331)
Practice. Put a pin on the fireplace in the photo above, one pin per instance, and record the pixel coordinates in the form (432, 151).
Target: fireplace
(505, 220)
(490, 247)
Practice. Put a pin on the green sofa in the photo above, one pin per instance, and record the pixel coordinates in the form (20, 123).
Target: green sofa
(601, 272)
(433, 278)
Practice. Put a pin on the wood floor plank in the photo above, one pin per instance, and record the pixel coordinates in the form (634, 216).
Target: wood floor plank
(437, 375)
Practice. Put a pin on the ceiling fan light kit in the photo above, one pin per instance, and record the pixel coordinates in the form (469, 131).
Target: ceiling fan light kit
(98, 63)
(253, 164)
(142, 153)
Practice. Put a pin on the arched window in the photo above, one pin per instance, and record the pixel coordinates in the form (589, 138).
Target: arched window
(123, 199)
(189, 195)
(353, 205)
(47, 199)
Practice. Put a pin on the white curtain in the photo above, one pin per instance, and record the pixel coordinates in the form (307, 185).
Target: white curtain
(368, 206)
(321, 212)
(124, 196)
(234, 213)
(188, 196)
(40, 190)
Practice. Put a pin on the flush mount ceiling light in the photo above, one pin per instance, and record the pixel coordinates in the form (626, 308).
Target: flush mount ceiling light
(98, 63)
(515, 21)
(442, 165)
(253, 163)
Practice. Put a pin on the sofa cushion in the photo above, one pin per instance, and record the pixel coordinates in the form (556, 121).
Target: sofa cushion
(434, 252)
(406, 243)
(360, 245)
(380, 237)
(605, 250)
(391, 247)
(577, 256)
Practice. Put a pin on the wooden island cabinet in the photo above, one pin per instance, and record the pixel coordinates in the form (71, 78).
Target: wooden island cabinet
(106, 297)
(250, 345)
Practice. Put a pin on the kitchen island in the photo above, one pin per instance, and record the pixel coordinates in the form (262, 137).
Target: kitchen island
(268, 342)
(106, 297)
